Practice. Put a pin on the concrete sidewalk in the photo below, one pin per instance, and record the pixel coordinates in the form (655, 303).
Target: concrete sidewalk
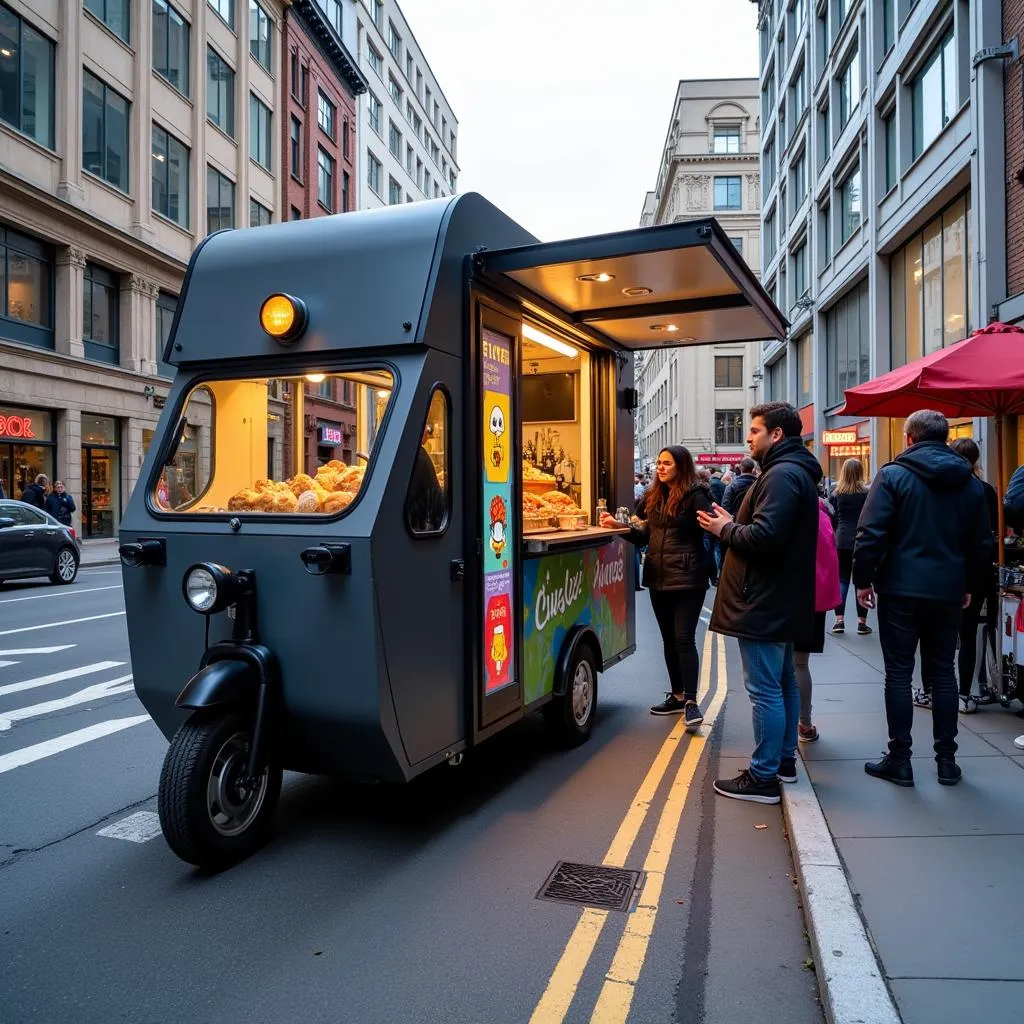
(99, 552)
(933, 869)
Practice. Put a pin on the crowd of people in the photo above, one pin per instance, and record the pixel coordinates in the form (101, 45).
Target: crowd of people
(783, 548)
(50, 498)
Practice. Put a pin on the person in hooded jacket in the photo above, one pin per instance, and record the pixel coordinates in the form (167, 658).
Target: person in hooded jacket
(675, 571)
(741, 481)
(766, 593)
(921, 541)
(35, 493)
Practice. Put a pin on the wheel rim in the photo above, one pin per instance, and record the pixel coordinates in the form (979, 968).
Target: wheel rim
(66, 566)
(232, 806)
(582, 693)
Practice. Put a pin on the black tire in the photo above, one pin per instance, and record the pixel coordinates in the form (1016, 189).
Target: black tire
(200, 769)
(65, 567)
(570, 717)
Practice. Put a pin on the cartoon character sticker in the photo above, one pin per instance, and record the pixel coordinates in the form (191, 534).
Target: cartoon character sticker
(498, 624)
(496, 423)
(499, 525)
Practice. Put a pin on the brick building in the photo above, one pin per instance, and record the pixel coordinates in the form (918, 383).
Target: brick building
(1013, 27)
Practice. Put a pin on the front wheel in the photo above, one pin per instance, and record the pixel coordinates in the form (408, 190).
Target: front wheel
(570, 717)
(210, 814)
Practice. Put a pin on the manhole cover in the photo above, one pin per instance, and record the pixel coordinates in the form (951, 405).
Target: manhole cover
(592, 885)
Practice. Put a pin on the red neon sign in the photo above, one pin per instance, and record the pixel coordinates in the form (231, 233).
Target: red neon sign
(16, 426)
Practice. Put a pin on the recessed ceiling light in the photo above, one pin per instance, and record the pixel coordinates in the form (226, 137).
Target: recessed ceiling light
(664, 327)
(598, 278)
(634, 293)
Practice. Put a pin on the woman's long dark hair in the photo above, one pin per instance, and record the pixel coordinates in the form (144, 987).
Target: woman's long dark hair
(666, 498)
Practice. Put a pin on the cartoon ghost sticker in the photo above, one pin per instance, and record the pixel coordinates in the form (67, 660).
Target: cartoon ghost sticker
(497, 425)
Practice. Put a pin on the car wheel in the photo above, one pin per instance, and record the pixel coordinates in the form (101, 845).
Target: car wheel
(570, 717)
(65, 567)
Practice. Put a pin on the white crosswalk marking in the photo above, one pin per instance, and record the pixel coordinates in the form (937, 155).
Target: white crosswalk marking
(97, 692)
(66, 622)
(36, 752)
(21, 651)
(58, 677)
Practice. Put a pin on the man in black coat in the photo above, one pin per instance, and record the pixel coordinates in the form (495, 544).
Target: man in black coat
(766, 592)
(921, 540)
(35, 493)
(735, 492)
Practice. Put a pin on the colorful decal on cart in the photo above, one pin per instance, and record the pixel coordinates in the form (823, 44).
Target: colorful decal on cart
(500, 556)
(585, 588)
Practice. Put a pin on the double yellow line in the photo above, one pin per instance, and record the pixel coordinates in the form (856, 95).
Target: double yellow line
(616, 994)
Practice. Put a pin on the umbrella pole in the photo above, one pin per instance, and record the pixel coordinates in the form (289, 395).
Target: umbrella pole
(999, 489)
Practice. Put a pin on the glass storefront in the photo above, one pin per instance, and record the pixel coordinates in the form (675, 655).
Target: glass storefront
(101, 476)
(27, 447)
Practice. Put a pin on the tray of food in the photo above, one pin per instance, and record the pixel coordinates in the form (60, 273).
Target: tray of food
(551, 512)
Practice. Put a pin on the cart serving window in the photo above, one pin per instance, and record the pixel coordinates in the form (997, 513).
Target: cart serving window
(261, 444)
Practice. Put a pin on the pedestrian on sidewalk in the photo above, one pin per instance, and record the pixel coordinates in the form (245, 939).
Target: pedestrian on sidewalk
(848, 497)
(60, 504)
(675, 572)
(922, 536)
(35, 493)
(735, 492)
(766, 595)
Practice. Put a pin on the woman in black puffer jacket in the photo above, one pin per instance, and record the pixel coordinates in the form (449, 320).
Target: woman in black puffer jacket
(676, 571)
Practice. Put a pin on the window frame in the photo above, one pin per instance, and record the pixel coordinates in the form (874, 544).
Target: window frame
(295, 148)
(261, 115)
(947, 106)
(39, 334)
(374, 108)
(845, 231)
(168, 138)
(214, 118)
(221, 180)
(96, 277)
(165, 303)
(216, 5)
(722, 430)
(103, 16)
(729, 363)
(371, 164)
(22, 27)
(325, 178)
(728, 132)
(185, 28)
(727, 179)
(104, 141)
(446, 488)
(326, 112)
(260, 222)
(257, 18)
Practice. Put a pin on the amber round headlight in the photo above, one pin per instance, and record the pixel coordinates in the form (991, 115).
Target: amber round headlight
(283, 317)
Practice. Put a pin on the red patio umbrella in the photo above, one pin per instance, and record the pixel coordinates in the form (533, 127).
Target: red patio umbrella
(983, 375)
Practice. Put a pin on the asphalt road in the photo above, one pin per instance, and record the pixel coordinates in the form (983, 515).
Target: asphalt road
(373, 903)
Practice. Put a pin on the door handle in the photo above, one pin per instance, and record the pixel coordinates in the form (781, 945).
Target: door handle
(458, 570)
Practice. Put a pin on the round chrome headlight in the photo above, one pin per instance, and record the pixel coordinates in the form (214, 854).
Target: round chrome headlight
(200, 589)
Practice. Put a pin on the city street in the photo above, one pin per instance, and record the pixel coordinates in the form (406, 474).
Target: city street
(374, 903)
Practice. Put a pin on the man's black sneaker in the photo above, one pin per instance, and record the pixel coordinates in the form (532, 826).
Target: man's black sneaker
(949, 771)
(787, 769)
(746, 787)
(900, 773)
(671, 705)
(863, 629)
(692, 714)
(838, 629)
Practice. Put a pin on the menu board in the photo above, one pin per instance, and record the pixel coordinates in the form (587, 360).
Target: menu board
(501, 555)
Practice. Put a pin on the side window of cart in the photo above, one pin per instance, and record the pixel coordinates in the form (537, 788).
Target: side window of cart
(428, 499)
(186, 473)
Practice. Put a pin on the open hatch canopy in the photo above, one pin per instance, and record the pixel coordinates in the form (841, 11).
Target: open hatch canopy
(667, 286)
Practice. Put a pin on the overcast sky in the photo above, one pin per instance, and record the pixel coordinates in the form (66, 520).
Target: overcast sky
(563, 105)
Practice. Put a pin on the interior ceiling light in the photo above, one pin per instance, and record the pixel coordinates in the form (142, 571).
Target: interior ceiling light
(315, 378)
(601, 278)
(634, 293)
(672, 328)
(531, 332)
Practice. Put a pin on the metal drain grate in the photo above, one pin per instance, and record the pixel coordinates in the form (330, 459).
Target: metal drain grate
(592, 885)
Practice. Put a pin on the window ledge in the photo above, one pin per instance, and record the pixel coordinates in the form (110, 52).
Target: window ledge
(170, 85)
(323, 206)
(183, 228)
(934, 142)
(7, 128)
(262, 167)
(103, 183)
(213, 124)
(109, 31)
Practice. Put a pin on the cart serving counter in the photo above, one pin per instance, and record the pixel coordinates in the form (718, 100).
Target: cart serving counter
(398, 426)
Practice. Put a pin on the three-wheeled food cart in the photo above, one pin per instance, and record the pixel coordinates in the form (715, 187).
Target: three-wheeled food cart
(381, 581)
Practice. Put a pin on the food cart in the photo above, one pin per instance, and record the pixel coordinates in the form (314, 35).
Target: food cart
(373, 599)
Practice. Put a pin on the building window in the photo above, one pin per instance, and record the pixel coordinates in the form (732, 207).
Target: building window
(113, 13)
(847, 343)
(165, 307)
(799, 180)
(849, 205)
(394, 192)
(933, 98)
(888, 24)
(259, 215)
(800, 271)
(345, 138)
(849, 89)
(171, 46)
(728, 426)
(728, 371)
(325, 179)
(332, 12)
(220, 201)
(769, 237)
(929, 286)
(295, 74)
(303, 85)
(727, 193)
(226, 10)
(396, 90)
(259, 34)
(220, 92)
(775, 381)
(26, 289)
(409, 158)
(799, 93)
(824, 136)
(325, 114)
(295, 148)
(170, 177)
(345, 190)
(296, 213)
(737, 244)
(26, 78)
(259, 132)
(890, 151)
(825, 226)
(393, 41)
(769, 167)
(378, 14)
(376, 60)
(804, 370)
(408, 67)
(373, 106)
(726, 140)
(100, 315)
(104, 132)
(394, 140)
(373, 172)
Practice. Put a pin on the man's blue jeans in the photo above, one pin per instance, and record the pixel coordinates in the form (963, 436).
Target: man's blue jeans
(775, 699)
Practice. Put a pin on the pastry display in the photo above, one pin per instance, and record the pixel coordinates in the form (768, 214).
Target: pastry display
(334, 488)
(552, 511)
(531, 474)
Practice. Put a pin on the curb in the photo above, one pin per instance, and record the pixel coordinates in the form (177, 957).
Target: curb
(98, 563)
(850, 980)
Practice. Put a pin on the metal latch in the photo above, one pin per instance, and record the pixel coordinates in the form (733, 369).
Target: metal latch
(458, 568)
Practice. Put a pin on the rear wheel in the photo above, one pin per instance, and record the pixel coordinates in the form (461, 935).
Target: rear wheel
(570, 717)
(211, 815)
(65, 567)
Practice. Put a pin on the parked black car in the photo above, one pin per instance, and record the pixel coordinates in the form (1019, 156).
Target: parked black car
(33, 543)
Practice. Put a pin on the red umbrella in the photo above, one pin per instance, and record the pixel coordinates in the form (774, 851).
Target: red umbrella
(983, 375)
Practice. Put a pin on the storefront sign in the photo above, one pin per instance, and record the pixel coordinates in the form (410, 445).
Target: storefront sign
(563, 591)
(330, 436)
(831, 437)
(719, 458)
(499, 528)
(16, 426)
(848, 451)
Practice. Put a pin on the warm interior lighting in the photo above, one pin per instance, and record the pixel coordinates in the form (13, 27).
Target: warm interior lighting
(316, 378)
(672, 328)
(6, 53)
(601, 278)
(383, 394)
(637, 291)
(531, 332)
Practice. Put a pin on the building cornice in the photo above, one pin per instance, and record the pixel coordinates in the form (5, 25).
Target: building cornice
(322, 32)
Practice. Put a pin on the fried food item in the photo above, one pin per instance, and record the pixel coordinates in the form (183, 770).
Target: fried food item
(308, 501)
(244, 500)
(558, 498)
(336, 464)
(300, 483)
(338, 500)
(531, 502)
(328, 479)
(351, 480)
(283, 501)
